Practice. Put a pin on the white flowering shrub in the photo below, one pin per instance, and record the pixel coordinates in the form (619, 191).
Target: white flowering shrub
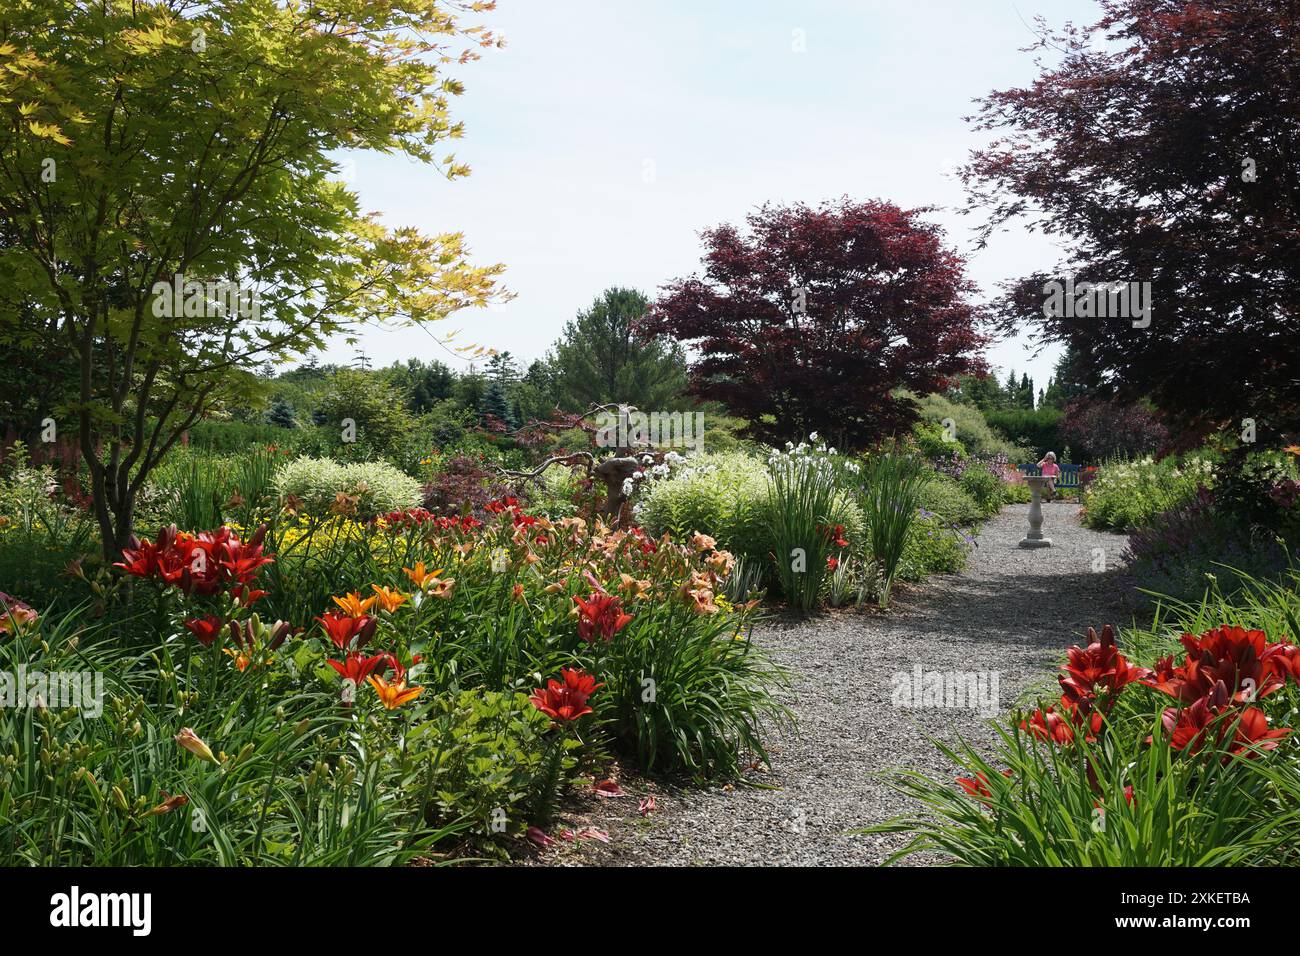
(1129, 495)
(718, 495)
(371, 487)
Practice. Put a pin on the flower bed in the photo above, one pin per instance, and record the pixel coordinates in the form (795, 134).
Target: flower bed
(331, 691)
(1184, 763)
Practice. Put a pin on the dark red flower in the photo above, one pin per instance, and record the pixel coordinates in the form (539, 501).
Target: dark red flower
(205, 628)
(568, 701)
(600, 615)
(1244, 661)
(1093, 676)
(1252, 735)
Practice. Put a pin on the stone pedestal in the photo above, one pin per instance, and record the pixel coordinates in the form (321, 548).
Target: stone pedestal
(1035, 539)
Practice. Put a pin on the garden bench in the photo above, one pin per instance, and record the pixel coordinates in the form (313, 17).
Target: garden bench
(1070, 476)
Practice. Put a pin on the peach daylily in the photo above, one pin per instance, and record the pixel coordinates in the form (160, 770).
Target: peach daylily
(190, 741)
(721, 563)
(702, 542)
(389, 599)
(442, 589)
(396, 694)
(353, 604)
(635, 587)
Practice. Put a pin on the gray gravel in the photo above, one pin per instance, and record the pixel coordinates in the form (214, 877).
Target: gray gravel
(1011, 611)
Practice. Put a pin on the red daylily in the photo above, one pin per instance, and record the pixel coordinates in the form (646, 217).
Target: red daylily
(600, 615)
(1244, 661)
(566, 701)
(357, 667)
(978, 786)
(1049, 725)
(343, 629)
(205, 628)
(197, 564)
(1093, 676)
(1252, 735)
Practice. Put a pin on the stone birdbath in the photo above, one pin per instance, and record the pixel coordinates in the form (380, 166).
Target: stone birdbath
(1035, 539)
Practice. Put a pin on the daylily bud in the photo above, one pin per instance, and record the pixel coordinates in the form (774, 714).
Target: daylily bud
(169, 804)
(191, 742)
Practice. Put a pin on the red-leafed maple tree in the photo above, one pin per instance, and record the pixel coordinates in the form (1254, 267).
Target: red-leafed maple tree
(814, 317)
(1162, 144)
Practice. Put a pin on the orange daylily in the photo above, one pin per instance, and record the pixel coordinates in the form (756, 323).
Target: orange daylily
(169, 804)
(390, 600)
(240, 656)
(420, 577)
(353, 604)
(396, 694)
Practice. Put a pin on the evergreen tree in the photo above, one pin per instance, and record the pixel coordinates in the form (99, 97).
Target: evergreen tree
(600, 359)
(501, 368)
(280, 414)
(1069, 382)
(423, 384)
(470, 388)
(496, 405)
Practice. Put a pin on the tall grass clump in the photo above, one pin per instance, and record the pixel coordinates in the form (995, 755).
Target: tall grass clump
(891, 484)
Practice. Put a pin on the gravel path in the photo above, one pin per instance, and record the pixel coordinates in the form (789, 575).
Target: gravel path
(1011, 611)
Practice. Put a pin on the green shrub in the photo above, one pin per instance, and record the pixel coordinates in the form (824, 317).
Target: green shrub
(481, 756)
(716, 494)
(378, 487)
(933, 547)
(946, 498)
(556, 494)
(985, 489)
(969, 426)
(1016, 493)
(933, 442)
(1036, 431)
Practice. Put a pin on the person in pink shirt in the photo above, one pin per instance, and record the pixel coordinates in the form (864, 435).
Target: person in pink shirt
(1051, 471)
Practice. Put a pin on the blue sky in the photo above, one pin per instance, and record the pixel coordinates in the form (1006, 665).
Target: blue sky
(606, 135)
